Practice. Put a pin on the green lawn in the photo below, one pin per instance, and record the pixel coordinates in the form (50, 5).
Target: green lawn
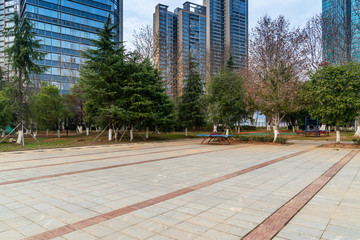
(82, 140)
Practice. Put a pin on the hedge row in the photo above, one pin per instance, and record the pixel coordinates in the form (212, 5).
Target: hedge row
(260, 139)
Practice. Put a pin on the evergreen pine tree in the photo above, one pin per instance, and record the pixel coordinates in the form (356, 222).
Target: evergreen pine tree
(22, 55)
(191, 109)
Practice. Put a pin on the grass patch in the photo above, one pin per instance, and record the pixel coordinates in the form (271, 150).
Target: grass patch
(74, 140)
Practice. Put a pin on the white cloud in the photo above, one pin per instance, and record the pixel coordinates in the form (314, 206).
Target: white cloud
(138, 13)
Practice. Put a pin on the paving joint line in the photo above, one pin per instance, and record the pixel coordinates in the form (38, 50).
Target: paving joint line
(152, 201)
(77, 155)
(93, 160)
(108, 167)
(273, 224)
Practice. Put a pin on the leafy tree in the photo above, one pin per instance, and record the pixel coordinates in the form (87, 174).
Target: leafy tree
(75, 102)
(191, 107)
(22, 56)
(49, 108)
(103, 76)
(121, 91)
(5, 111)
(277, 62)
(333, 94)
(145, 100)
(227, 99)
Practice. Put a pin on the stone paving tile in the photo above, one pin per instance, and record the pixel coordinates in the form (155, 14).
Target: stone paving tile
(225, 210)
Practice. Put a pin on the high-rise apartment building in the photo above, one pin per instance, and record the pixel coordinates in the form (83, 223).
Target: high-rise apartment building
(178, 36)
(165, 46)
(65, 29)
(227, 33)
(210, 34)
(191, 41)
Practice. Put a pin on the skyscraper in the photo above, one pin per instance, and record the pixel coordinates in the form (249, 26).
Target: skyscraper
(227, 33)
(65, 29)
(177, 36)
(210, 34)
(337, 30)
(165, 46)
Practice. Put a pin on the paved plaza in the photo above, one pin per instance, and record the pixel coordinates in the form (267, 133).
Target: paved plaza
(181, 190)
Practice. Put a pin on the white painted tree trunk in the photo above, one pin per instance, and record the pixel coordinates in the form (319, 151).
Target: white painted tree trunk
(3, 134)
(147, 133)
(20, 137)
(293, 128)
(110, 134)
(131, 134)
(215, 128)
(268, 128)
(58, 133)
(357, 133)
(87, 131)
(322, 128)
(80, 129)
(186, 132)
(227, 132)
(337, 136)
(47, 132)
(276, 133)
(35, 134)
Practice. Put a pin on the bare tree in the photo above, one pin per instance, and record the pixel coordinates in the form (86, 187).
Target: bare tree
(276, 63)
(313, 42)
(143, 41)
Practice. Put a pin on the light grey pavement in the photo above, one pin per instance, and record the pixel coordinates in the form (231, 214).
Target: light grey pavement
(152, 191)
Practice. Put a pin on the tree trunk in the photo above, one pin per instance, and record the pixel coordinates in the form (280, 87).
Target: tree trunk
(47, 132)
(3, 134)
(35, 134)
(116, 134)
(186, 132)
(87, 131)
(110, 134)
(227, 132)
(293, 128)
(276, 132)
(268, 128)
(20, 137)
(337, 134)
(131, 134)
(147, 133)
(58, 133)
(357, 133)
(215, 128)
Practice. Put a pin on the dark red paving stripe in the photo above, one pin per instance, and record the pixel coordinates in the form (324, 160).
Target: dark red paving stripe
(122, 211)
(271, 226)
(96, 159)
(108, 167)
(79, 155)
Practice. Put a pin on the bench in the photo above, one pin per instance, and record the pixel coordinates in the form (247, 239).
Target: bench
(215, 137)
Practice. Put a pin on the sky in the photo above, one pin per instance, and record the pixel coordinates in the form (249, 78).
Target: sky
(138, 13)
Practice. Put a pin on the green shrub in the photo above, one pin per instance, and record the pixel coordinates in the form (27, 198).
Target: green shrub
(260, 139)
(356, 141)
(248, 128)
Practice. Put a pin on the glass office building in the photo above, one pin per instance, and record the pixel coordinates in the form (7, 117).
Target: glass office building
(65, 29)
(227, 34)
(337, 30)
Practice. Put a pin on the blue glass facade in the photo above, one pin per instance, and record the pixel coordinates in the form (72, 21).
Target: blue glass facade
(338, 30)
(65, 29)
